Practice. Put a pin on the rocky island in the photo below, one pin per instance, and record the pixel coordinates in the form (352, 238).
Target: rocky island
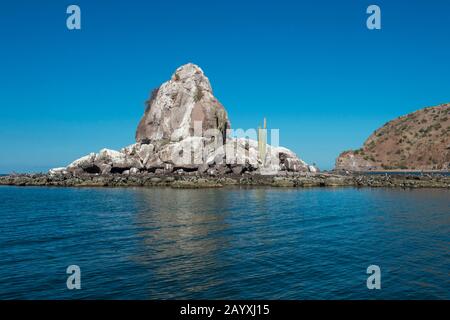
(185, 140)
(185, 129)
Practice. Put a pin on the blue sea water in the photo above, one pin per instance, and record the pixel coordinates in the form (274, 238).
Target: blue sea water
(231, 243)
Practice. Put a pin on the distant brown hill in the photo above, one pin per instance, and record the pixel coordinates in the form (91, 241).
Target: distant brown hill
(417, 141)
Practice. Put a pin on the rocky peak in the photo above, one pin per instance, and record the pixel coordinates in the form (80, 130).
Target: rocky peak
(191, 77)
(174, 108)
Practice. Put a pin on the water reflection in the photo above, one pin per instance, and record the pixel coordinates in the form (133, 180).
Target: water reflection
(181, 234)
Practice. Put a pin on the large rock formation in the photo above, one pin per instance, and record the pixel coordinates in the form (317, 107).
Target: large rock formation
(417, 141)
(175, 107)
(186, 129)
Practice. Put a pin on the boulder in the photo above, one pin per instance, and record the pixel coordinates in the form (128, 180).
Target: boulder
(117, 159)
(104, 162)
(84, 164)
(58, 171)
(237, 169)
(203, 168)
(134, 171)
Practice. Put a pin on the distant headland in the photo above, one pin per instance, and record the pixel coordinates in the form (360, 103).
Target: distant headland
(185, 129)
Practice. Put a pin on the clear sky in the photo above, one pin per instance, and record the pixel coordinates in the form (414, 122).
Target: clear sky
(311, 67)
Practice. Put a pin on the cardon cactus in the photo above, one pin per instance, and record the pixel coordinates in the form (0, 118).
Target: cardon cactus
(262, 142)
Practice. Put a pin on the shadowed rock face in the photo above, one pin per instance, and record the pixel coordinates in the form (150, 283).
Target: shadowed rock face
(177, 104)
(417, 141)
(184, 129)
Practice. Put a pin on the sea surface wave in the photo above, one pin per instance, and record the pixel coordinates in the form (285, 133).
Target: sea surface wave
(230, 243)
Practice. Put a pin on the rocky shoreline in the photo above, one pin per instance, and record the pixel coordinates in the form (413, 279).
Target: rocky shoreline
(293, 180)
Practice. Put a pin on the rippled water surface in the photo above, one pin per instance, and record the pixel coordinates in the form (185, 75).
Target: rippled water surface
(224, 243)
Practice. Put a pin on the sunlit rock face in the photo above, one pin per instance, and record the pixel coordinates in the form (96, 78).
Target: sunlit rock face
(185, 129)
(177, 104)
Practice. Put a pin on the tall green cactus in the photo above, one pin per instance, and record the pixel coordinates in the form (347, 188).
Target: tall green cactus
(262, 142)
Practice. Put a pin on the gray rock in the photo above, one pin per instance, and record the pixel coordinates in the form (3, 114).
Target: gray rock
(174, 107)
(237, 169)
(168, 167)
(203, 168)
(134, 171)
(222, 169)
(105, 168)
(353, 161)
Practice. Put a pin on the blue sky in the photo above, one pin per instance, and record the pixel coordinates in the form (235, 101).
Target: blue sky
(311, 67)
